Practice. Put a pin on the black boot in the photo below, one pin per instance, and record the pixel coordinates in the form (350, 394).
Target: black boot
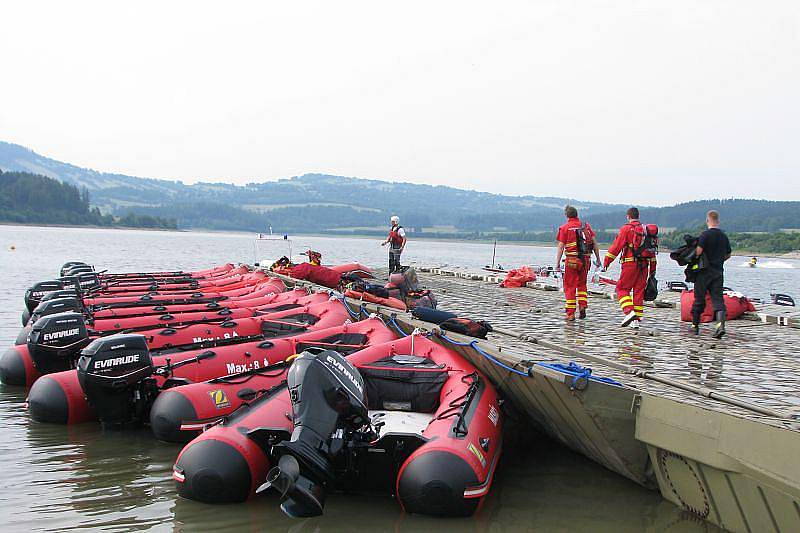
(695, 323)
(719, 331)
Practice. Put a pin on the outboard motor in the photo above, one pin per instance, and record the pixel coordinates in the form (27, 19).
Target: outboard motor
(115, 374)
(78, 269)
(83, 282)
(63, 293)
(69, 264)
(37, 291)
(56, 340)
(328, 407)
(49, 307)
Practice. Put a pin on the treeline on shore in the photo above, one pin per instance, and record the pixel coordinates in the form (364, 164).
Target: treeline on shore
(761, 243)
(33, 199)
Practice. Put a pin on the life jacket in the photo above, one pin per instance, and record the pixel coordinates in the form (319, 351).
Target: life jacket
(644, 241)
(394, 236)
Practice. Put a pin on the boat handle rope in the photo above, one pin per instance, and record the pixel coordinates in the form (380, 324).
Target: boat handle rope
(458, 405)
(474, 346)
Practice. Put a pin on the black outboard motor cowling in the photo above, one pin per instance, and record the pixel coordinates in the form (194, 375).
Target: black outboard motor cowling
(328, 404)
(78, 269)
(56, 340)
(83, 282)
(37, 291)
(51, 306)
(62, 293)
(48, 307)
(115, 374)
(69, 264)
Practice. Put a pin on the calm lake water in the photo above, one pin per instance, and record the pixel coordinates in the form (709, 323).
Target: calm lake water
(59, 478)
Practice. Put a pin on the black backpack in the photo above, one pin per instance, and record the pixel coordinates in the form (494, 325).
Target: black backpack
(648, 247)
(582, 245)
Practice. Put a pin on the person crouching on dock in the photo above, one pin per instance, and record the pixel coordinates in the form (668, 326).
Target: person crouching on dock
(576, 241)
(637, 250)
(397, 242)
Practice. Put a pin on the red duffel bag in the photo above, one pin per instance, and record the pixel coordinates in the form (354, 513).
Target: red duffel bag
(735, 306)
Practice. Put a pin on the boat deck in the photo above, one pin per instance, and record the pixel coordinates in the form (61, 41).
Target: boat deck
(756, 362)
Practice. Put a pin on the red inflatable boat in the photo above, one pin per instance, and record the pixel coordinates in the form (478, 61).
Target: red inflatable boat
(180, 413)
(232, 303)
(433, 417)
(55, 340)
(170, 315)
(59, 397)
(280, 302)
(735, 307)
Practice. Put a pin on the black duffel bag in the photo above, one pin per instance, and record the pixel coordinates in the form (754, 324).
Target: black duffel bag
(466, 326)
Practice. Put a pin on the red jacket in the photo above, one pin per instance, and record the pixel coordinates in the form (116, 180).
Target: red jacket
(623, 246)
(566, 235)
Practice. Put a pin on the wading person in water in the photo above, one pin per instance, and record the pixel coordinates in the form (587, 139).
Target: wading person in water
(576, 241)
(715, 247)
(396, 241)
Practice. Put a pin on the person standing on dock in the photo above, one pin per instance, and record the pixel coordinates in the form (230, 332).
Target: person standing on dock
(715, 246)
(638, 264)
(397, 242)
(576, 241)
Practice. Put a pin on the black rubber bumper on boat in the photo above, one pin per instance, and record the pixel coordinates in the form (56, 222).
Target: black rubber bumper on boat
(169, 411)
(213, 472)
(47, 401)
(12, 368)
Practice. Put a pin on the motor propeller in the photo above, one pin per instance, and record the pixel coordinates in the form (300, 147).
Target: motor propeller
(300, 497)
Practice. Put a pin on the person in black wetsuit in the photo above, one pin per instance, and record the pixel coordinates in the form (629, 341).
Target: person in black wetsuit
(715, 246)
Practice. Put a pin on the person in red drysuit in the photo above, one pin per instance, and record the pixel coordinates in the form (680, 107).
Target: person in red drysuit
(577, 263)
(635, 272)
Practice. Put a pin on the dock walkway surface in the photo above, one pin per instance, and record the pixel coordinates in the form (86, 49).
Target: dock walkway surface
(757, 362)
(714, 425)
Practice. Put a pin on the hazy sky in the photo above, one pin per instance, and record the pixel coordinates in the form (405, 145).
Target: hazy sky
(649, 102)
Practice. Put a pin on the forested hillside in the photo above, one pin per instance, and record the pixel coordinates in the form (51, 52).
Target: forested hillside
(320, 203)
(736, 215)
(29, 198)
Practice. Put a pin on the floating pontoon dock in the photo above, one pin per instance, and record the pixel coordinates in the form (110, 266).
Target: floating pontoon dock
(714, 425)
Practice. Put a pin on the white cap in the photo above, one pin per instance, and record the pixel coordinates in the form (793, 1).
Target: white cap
(395, 219)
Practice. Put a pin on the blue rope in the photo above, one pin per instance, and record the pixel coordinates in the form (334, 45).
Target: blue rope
(352, 313)
(394, 323)
(577, 372)
(474, 346)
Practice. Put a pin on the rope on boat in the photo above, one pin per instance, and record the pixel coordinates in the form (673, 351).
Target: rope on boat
(474, 346)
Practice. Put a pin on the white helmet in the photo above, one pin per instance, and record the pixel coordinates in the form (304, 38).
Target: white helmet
(395, 219)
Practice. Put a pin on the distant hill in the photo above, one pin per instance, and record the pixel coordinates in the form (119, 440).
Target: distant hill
(335, 204)
(30, 198)
(736, 215)
(312, 202)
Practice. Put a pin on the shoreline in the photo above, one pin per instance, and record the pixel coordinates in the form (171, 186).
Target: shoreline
(86, 226)
(794, 255)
